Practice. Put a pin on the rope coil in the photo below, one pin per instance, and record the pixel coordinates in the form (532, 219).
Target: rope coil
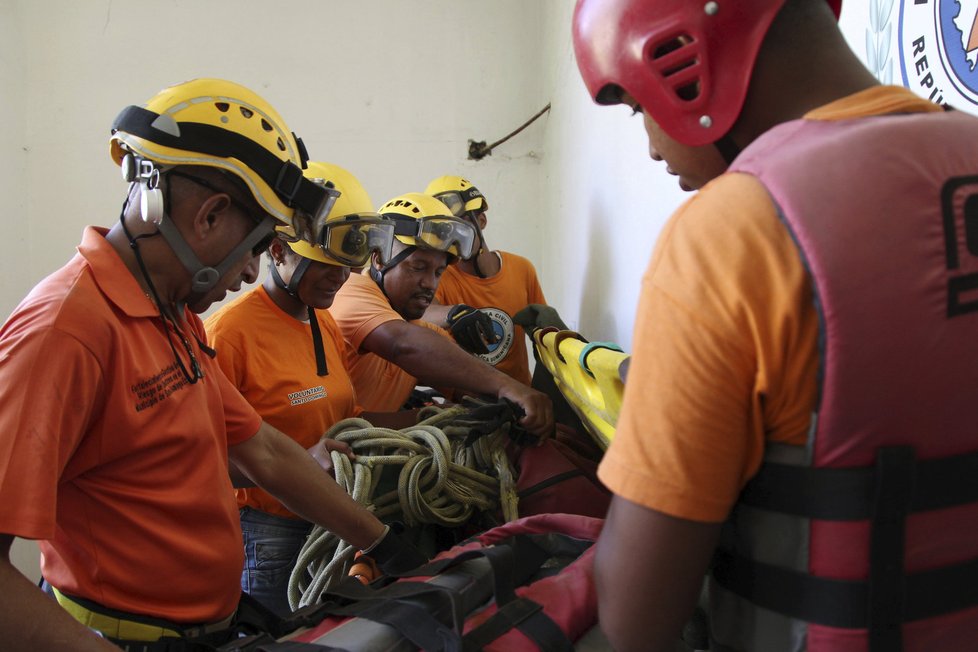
(452, 464)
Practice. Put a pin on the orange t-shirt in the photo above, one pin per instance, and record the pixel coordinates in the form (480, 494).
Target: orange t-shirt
(725, 345)
(500, 296)
(269, 357)
(358, 308)
(109, 457)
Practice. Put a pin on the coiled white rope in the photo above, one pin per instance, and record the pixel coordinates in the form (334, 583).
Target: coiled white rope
(441, 481)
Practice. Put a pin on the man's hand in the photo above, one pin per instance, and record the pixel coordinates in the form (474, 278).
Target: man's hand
(393, 553)
(471, 328)
(539, 419)
(322, 449)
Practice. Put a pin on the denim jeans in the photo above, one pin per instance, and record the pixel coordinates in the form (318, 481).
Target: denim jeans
(271, 545)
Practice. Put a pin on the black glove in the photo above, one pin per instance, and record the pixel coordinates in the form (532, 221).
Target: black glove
(538, 315)
(394, 554)
(470, 326)
(419, 398)
(486, 418)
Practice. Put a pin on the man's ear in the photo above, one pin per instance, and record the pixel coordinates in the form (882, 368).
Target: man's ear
(212, 215)
(482, 220)
(375, 260)
(277, 251)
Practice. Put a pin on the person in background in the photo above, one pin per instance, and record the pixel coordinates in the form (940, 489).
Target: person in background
(118, 427)
(499, 284)
(805, 367)
(380, 315)
(282, 350)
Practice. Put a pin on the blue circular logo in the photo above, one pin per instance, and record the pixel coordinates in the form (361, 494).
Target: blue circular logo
(957, 30)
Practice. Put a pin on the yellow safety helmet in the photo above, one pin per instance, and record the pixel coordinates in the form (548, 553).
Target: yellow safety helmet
(218, 123)
(351, 230)
(423, 221)
(458, 194)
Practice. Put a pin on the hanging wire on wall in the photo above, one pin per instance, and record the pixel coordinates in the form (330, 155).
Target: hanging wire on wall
(478, 149)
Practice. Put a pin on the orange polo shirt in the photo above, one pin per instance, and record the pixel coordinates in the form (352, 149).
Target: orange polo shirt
(358, 308)
(108, 456)
(269, 357)
(501, 296)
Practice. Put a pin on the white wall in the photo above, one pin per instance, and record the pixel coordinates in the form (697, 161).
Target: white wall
(392, 90)
(604, 199)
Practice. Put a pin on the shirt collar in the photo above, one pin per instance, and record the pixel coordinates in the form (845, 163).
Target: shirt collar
(876, 100)
(112, 276)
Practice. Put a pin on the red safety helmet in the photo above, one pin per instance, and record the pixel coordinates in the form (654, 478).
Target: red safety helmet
(686, 62)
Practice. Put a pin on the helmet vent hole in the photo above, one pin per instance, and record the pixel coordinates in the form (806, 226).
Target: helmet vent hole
(281, 145)
(677, 60)
(246, 112)
(265, 125)
(689, 92)
(222, 106)
(670, 45)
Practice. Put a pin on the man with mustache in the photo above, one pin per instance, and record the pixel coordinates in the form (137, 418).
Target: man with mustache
(380, 312)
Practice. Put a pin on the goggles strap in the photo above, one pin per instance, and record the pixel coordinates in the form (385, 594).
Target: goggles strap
(406, 226)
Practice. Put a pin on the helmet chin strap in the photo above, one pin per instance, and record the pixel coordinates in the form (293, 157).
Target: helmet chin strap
(203, 277)
(728, 149)
(378, 274)
(153, 209)
(169, 322)
(292, 289)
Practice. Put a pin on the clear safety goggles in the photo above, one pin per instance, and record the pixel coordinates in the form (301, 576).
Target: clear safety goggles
(350, 239)
(439, 233)
(318, 203)
(457, 199)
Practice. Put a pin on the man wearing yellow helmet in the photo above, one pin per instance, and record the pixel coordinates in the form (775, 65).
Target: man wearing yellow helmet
(295, 375)
(118, 426)
(499, 283)
(380, 312)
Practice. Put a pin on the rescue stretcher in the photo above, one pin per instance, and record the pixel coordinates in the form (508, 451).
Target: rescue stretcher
(588, 376)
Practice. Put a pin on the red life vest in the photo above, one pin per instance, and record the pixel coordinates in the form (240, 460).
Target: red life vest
(867, 538)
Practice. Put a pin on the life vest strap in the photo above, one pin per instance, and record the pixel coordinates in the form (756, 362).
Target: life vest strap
(848, 494)
(841, 603)
(900, 486)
